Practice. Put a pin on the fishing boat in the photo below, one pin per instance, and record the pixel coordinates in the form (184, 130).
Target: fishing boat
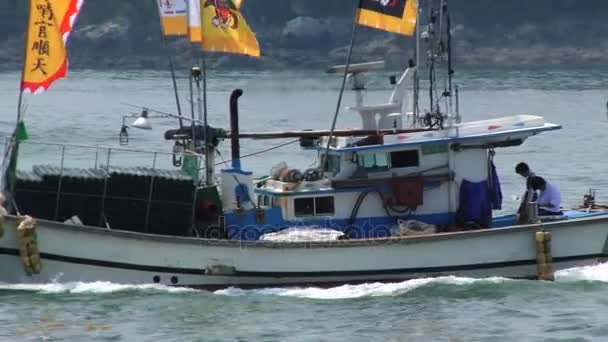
(409, 194)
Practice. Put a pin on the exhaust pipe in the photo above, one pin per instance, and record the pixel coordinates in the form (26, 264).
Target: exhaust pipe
(234, 128)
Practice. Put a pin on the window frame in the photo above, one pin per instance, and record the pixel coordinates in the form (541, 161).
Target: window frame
(295, 210)
(314, 206)
(362, 158)
(418, 159)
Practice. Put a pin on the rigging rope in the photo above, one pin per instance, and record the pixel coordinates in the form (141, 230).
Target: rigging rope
(259, 152)
(342, 87)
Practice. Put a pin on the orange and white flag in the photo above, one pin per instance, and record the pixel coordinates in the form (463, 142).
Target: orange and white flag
(181, 18)
(225, 29)
(49, 25)
(194, 21)
(173, 17)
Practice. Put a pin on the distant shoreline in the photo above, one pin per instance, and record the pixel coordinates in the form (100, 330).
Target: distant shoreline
(513, 60)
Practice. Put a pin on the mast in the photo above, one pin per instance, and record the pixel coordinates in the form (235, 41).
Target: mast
(342, 88)
(450, 69)
(431, 33)
(163, 39)
(416, 78)
(203, 61)
(173, 78)
(25, 47)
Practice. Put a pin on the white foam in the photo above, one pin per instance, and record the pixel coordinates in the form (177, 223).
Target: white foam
(589, 273)
(95, 288)
(358, 291)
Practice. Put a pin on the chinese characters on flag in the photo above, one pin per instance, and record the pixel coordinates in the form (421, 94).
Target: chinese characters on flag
(50, 23)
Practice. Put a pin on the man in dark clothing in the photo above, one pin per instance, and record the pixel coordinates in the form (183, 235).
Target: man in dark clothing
(530, 195)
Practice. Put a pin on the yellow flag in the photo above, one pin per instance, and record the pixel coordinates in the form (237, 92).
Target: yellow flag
(173, 17)
(398, 16)
(225, 29)
(49, 25)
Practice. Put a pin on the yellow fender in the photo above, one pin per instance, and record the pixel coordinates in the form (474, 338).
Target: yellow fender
(544, 258)
(28, 245)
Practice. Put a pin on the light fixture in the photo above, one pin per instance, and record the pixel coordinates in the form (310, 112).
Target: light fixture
(142, 122)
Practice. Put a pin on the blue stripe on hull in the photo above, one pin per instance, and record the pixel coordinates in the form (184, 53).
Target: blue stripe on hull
(244, 227)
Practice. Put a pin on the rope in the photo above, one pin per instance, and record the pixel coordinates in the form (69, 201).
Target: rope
(259, 152)
(342, 88)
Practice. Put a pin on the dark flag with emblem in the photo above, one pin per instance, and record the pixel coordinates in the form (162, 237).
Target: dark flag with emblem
(398, 16)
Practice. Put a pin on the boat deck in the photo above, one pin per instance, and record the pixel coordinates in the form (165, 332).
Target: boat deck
(511, 220)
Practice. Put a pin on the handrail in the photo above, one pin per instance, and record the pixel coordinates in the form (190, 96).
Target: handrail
(185, 153)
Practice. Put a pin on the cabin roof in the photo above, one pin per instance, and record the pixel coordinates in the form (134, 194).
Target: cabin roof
(506, 129)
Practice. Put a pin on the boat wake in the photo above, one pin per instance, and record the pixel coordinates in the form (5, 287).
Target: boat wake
(597, 273)
(363, 290)
(99, 287)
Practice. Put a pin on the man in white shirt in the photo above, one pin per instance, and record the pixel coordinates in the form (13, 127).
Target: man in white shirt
(549, 199)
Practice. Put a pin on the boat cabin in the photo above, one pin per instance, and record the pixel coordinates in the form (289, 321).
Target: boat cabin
(369, 184)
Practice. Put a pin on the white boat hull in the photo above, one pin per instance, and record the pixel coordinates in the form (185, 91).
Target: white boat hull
(72, 253)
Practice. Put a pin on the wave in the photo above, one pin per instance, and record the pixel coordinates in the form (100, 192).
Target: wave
(597, 273)
(363, 290)
(99, 287)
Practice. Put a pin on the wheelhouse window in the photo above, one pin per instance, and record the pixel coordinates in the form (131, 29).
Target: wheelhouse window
(324, 205)
(373, 161)
(405, 159)
(304, 206)
(314, 206)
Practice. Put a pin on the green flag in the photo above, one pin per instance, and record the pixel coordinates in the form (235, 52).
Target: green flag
(21, 133)
(191, 165)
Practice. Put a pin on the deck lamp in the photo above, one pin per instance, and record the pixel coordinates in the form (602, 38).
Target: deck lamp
(142, 122)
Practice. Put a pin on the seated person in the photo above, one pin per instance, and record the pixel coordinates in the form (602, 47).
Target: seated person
(549, 199)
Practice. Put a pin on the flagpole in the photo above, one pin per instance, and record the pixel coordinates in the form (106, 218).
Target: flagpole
(415, 110)
(208, 173)
(205, 119)
(25, 47)
(173, 78)
(13, 147)
(342, 87)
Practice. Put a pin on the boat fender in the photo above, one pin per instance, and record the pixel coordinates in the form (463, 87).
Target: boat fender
(28, 245)
(544, 258)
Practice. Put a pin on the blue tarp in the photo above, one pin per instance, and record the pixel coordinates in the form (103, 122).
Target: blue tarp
(475, 204)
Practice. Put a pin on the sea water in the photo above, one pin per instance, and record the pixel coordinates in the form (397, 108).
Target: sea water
(88, 107)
